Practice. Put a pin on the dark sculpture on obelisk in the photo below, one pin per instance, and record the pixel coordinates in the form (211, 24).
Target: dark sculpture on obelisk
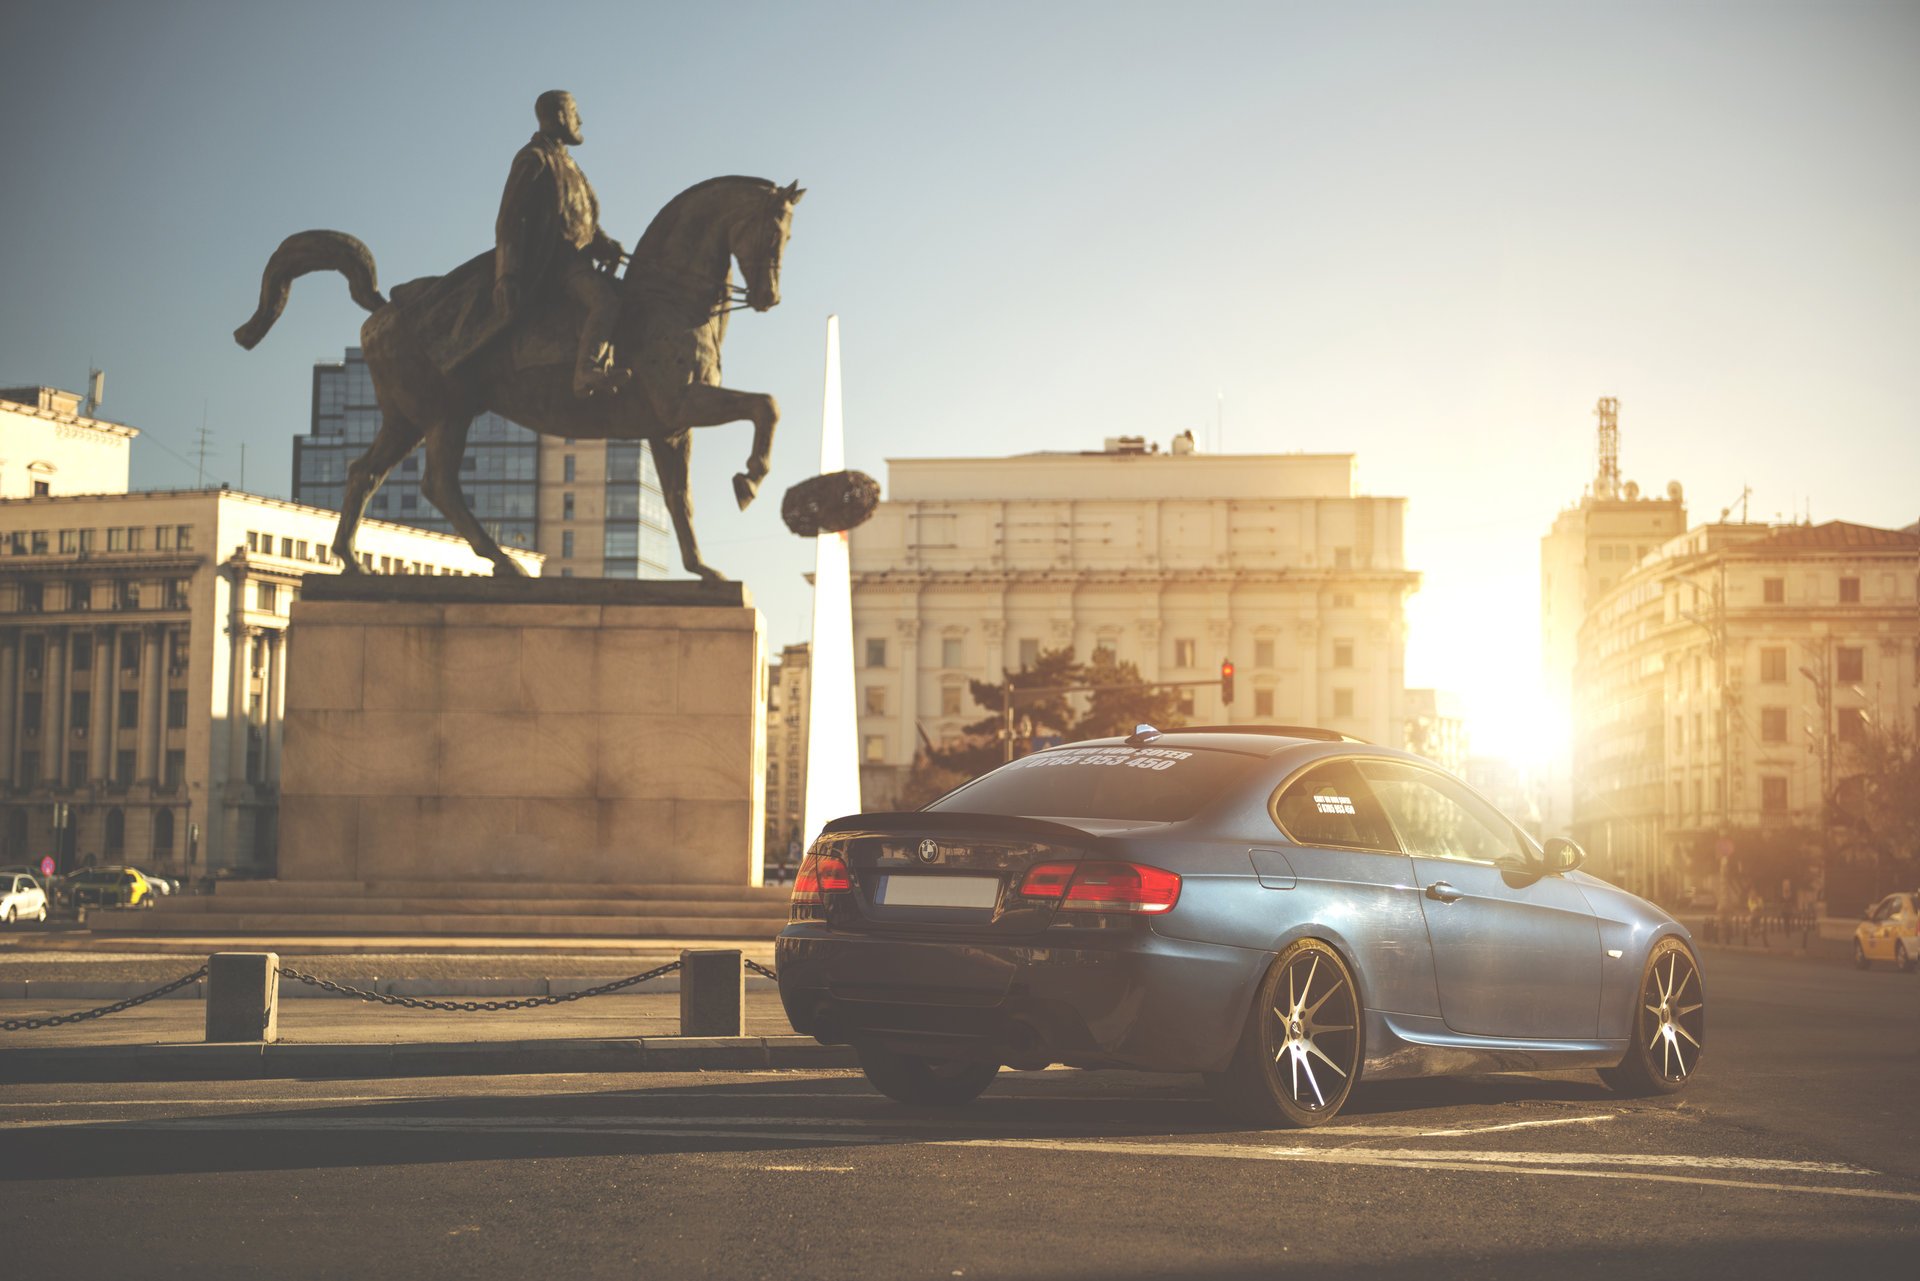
(535, 330)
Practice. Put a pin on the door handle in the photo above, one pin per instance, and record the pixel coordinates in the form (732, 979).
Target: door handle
(1442, 892)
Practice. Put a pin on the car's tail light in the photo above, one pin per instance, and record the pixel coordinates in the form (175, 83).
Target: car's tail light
(819, 876)
(1103, 887)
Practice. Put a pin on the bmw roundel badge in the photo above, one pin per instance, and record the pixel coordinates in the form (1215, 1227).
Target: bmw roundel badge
(928, 850)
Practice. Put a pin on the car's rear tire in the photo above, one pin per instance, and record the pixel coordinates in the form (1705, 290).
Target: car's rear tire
(925, 1082)
(1860, 961)
(1300, 1052)
(1669, 1025)
(1902, 958)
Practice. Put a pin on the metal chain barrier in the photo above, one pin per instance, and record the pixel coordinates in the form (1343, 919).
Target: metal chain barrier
(58, 1020)
(467, 1007)
(761, 970)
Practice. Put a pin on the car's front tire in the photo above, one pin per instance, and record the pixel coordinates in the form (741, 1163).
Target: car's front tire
(1300, 1052)
(1669, 1025)
(11, 916)
(925, 1082)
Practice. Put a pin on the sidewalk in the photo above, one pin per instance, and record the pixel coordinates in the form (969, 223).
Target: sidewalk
(163, 1040)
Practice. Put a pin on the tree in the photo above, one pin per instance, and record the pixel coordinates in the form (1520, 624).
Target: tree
(1132, 702)
(1882, 799)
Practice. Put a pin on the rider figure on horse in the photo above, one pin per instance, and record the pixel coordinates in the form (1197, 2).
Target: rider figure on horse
(548, 236)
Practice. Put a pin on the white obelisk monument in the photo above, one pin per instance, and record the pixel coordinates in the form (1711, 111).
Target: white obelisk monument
(833, 761)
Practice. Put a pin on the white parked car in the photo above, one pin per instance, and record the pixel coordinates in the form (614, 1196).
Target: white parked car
(22, 900)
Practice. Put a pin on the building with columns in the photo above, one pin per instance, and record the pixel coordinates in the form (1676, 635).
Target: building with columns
(49, 446)
(1171, 560)
(143, 654)
(789, 687)
(1721, 687)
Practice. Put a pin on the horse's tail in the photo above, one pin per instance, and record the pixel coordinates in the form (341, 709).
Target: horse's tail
(299, 254)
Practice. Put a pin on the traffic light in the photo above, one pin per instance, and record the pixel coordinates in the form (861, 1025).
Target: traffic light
(1226, 681)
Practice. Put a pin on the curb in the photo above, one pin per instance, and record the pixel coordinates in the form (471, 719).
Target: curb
(253, 1060)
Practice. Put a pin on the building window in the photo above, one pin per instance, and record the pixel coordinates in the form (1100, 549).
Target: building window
(129, 594)
(1106, 651)
(1343, 600)
(1773, 724)
(1343, 702)
(69, 541)
(1773, 795)
(129, 709)
(566, 469)
(874, 751)
(177, 593)
(79, 597)
(29, 768)
(129, 651)
(176, 771)
(176, 709)
(163, 539)
(1184, 703)
(77, 768)
(1850, 664)
(82, 649)
(1343, 558)
(1029, 653)
(876, 651)
(183, 537)
(1263, 703)
(42, 489)
(123, 768)
(1773, 664)
(268, 595)
(566, 507)
(33, 652)
(876, 700)
(1184, 650)
(566, 544)
(33, 597)
(1849, 591)
(1343, 653)
(1263, 653)
(950, 651)
(1853, 725)
(950, 700)
(1774, 591)
(80, 711)
(286, 546)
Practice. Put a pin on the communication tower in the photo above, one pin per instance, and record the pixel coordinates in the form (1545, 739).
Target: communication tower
(1606, 483)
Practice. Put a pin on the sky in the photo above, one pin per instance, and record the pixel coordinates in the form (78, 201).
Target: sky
(1431, 235)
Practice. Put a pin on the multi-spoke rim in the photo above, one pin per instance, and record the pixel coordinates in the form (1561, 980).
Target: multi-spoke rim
(1674, 1025)
(1317, 1022)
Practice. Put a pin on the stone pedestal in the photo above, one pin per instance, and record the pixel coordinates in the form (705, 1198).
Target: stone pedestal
(571, 731)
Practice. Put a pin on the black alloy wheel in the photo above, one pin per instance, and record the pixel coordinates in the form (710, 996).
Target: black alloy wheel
(1300, 1053)
(925, 1082)
(1669, 1025)
(12, 915)
(1860, 961)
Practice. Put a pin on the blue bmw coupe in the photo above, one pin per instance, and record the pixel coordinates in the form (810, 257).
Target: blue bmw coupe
(1283, 909)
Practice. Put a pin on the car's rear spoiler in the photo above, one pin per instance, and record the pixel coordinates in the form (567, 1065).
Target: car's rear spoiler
(897, 823)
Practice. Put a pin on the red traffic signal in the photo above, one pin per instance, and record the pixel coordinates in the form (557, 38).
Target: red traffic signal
(1226, 681)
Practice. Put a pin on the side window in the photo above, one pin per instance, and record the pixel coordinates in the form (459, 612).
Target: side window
(1436, 817)
(1331, 805)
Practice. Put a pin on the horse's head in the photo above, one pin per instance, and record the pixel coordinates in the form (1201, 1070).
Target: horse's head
(759, 239)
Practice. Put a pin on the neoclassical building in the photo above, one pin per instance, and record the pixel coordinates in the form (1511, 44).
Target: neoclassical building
(1171, 560)
(143, 656)
(1721, 685)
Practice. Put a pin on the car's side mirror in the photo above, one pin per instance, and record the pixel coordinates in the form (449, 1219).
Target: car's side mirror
(1563, 855)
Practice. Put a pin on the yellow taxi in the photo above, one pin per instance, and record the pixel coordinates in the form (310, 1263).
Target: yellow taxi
(109, 887)
(1891, 932)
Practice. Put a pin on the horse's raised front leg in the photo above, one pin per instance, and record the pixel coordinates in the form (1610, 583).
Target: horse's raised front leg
(670, 461)
(440, 482)
(702, 406)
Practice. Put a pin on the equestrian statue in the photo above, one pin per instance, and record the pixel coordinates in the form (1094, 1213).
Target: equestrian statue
(545, 331)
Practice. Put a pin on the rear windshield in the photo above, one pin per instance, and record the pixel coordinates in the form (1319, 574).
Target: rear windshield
(1140, 784)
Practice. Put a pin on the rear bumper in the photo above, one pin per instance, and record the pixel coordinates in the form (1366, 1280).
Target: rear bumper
(1123, 997)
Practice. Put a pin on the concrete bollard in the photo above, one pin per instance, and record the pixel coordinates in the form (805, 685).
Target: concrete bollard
(243, 996)
(713, 993)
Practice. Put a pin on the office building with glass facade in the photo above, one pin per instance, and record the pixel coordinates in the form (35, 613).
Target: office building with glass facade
(592, 508)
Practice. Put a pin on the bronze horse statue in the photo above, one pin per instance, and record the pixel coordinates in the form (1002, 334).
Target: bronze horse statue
(675, 296)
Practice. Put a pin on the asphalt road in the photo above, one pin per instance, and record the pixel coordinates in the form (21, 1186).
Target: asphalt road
(1793, 1154)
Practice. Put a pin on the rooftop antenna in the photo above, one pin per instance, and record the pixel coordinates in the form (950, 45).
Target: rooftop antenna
(200, 456)
(96, 388)
(1219, 422)
(1606, 482)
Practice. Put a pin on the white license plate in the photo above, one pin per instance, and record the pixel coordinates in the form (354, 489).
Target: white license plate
(937, 891)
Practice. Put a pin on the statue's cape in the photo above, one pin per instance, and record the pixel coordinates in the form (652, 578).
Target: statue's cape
(455, 315)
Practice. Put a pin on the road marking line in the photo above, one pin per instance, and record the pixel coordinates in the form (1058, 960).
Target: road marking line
(1516, 1125)
(1680, 1159)
(1363, 1156)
